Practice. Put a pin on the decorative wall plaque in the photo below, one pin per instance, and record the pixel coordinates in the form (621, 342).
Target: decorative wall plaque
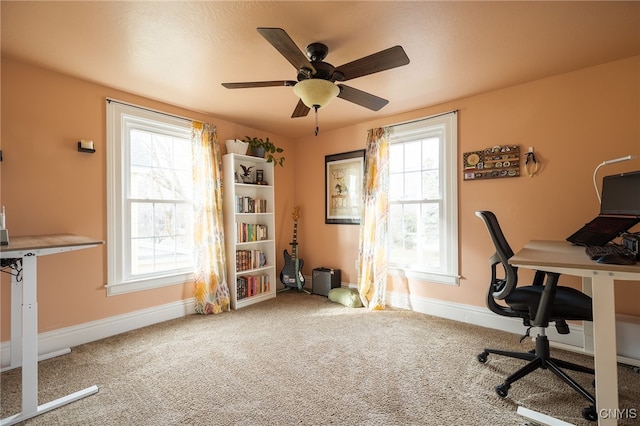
(500, 161)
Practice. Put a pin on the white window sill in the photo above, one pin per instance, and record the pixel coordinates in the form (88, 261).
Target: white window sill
(424, 276)
(147, 284)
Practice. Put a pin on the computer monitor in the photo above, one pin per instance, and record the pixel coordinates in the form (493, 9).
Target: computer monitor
(621, 194)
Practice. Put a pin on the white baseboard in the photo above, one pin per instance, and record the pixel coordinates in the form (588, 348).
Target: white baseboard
(479, 316)
(627, 332)
(57, 340)
(627, 327)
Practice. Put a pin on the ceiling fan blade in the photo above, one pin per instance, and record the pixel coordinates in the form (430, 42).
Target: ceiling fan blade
(381, 61)
(259, 84)
(287, 48)
(301, 110)
(361, 98)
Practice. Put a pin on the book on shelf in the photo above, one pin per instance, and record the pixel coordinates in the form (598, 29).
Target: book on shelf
(250, 205)
(241, 288)
(247, 232)
(250, 259)
(252, 285)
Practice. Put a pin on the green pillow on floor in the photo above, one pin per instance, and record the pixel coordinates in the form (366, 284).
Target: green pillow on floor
(345, 296)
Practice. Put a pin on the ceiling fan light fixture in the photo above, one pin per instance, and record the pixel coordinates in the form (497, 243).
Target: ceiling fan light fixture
(316, 93)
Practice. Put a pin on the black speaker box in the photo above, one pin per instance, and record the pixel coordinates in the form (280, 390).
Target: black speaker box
(324, 279)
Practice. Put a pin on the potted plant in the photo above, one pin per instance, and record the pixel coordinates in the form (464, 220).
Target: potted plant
(265, 149)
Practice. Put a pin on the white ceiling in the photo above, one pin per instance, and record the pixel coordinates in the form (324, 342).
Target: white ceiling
(181, 52)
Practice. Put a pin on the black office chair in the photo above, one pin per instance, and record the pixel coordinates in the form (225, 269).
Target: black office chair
(538, 305)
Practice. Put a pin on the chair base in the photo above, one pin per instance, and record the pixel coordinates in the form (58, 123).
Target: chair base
(540, 359)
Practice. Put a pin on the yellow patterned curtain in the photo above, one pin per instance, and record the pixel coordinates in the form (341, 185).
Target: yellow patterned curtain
(372, 260)
(211, 290)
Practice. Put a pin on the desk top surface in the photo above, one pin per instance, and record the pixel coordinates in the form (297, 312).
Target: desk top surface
(38, 242)
(563, 254)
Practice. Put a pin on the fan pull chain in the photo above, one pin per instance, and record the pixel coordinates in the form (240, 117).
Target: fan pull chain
(315, 107)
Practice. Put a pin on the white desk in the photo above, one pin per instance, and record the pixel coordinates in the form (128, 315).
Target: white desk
(24, 315)
(563, 258)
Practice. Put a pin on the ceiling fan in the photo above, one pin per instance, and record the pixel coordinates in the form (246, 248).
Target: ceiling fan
(315, 85)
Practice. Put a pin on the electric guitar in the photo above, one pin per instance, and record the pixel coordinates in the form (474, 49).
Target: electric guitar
(291, 274)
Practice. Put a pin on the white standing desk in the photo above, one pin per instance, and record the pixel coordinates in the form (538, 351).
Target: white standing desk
(24, 315)
(563, 258)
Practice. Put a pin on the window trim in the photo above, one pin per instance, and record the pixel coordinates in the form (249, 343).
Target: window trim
(117, 220)
(449, 182)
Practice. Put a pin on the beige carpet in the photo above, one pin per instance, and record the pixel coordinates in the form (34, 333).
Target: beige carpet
(300, 359)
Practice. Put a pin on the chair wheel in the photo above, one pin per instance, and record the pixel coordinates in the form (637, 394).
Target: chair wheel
(502, 390)
(590, 413)
(482, 357)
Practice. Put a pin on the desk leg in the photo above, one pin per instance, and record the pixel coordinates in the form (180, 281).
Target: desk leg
(29, 335)
(587, 326)
(605, 350)
(16, 319)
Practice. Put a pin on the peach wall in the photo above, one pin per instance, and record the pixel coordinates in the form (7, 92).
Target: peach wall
(49, 187)
(574, 121)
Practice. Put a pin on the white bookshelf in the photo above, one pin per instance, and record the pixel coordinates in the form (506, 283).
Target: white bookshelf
(255, 221)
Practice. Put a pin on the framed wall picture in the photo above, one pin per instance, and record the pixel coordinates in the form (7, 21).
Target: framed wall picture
(344, 174)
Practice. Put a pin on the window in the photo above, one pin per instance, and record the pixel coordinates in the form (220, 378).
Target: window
(149, 188)
(423, 220)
